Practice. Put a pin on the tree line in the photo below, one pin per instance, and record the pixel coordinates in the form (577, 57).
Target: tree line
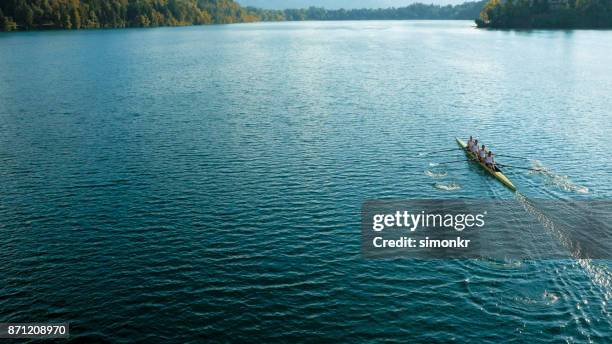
(546, 14)
(468, 10)
(78, 14)
(89, 14)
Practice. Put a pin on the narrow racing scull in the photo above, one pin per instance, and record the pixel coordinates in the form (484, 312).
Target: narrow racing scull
(497, 173)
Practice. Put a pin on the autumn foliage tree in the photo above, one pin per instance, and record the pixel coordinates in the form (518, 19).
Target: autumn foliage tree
(76, 14)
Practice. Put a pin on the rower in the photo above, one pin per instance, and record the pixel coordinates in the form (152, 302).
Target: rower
(482, 153)
(489, 162)
(470, 143)
(474, 148)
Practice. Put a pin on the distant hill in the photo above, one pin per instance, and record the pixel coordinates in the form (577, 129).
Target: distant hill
(336, 4)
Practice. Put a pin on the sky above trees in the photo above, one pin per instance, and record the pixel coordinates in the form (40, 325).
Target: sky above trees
(334, 4)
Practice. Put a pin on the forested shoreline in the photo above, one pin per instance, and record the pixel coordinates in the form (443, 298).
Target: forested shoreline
(552, 14)
(92, 14)
(468, 11)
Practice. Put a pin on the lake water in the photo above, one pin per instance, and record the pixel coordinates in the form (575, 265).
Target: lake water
(182, 184)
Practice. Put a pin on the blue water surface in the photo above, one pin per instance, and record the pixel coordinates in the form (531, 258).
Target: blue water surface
(204, 183)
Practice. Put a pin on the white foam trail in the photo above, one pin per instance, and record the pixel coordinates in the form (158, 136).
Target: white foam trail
(435, 174)
(550, 297)
(599, 274)
(554, 179)
(447, 187)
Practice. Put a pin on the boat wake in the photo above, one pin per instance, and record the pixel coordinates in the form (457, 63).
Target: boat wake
(448, 186)
(434, 174)
(554, 179)
(550, 298)
(600, 275)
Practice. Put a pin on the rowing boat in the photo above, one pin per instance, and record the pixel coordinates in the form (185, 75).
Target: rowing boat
(497, 173)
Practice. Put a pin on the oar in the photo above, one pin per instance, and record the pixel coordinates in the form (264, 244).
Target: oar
(513, 156)
(440, 151)
(518, 167)
(445, 162)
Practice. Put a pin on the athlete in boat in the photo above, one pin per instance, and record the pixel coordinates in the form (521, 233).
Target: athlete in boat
(470, 143)
(474, 148)
(489, 161)
(482, 153)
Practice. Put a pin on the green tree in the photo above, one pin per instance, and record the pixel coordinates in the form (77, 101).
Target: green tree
(66, 22)
(25, 15)
(541, 13)
(75, 15)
